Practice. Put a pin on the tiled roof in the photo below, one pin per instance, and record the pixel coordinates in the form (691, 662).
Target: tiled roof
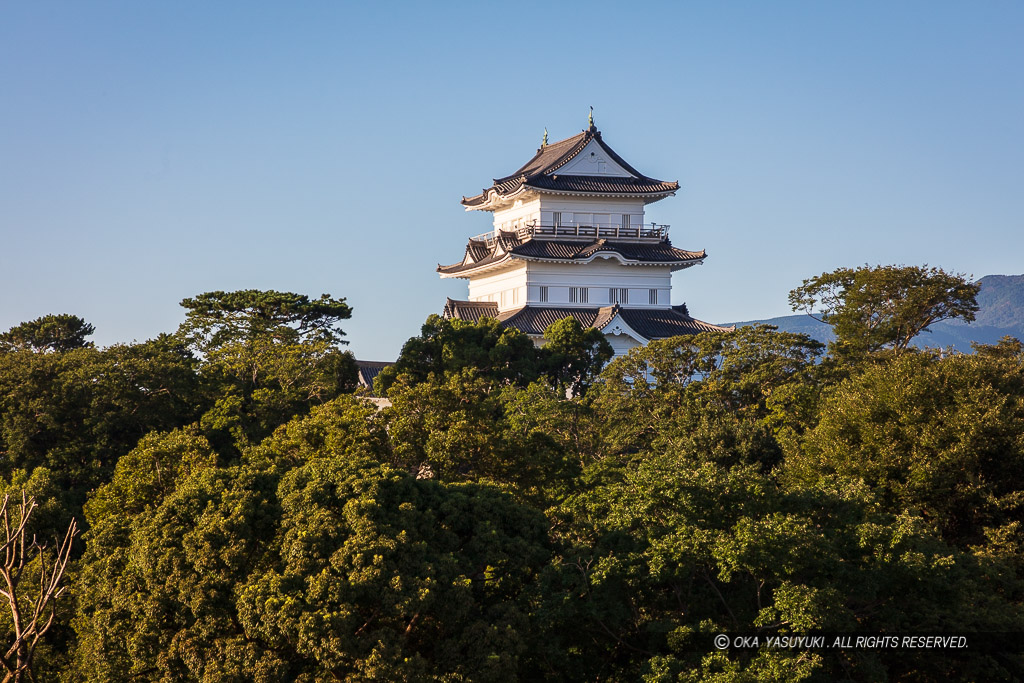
(551, 157)
(470, 310)
(535, 319)
(596, 184)
(369, 369)
(508, 246)
(659, 323)
(540, 173)
(477, 250)
(650, 323)
(653, 252)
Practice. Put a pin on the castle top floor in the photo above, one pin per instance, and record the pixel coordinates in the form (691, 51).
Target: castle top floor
(577, 184)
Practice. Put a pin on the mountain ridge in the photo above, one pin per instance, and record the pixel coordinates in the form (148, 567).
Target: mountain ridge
(1000, 313)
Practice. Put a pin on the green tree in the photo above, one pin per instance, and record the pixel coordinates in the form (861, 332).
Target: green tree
(266, 358)
(259, 385)
(573, 355)
(462, 428)
(938, 437)
(746, 378)
(78, 411)
(215, 319)
(309, 560)
(55, 333)
(385, 577)
(446, 346)
(884, 306)
(661, 552)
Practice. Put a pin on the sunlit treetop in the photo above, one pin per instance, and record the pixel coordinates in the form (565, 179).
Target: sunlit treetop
(49, 333)
(217, 318)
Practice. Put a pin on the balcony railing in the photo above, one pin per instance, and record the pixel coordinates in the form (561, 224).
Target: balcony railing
(644, 231)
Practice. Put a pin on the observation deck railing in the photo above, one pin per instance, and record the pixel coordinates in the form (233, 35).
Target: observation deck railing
(645, 231)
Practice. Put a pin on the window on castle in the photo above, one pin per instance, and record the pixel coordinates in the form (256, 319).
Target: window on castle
(654, 297)
(618, 295)
(544, 290)
(625, 220)
(556, 218)
(578, 295)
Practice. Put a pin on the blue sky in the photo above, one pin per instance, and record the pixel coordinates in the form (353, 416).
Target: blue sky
(153, 151)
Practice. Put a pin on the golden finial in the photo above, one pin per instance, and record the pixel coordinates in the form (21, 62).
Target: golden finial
(590, 119)
(544, 142)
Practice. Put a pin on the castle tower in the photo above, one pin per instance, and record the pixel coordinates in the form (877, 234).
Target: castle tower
(569, 239)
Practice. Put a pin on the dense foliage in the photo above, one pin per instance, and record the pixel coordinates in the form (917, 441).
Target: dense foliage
(885, 306)
(520, 513)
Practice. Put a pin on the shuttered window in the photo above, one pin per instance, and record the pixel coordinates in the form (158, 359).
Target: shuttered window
(578, 295)
(617, 295)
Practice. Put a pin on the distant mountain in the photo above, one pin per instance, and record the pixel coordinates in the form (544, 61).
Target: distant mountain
(1001, 313)
(1001, 300)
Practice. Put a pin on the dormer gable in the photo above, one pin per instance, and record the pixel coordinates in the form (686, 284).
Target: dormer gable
(593, 160)
(582, 165)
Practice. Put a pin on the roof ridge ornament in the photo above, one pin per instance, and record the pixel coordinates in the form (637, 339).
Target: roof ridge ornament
(544, 141)
(590, 120)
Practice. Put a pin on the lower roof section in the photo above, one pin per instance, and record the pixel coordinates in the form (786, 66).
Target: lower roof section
(368, 371)
(483, 255)
(470, 310)
(650, 323)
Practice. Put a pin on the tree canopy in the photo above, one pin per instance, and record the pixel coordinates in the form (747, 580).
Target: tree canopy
(872, 308)
(267, 357)
(523, 512)
(450, 345)
(49, 333)
(571, 357)
(216, 318)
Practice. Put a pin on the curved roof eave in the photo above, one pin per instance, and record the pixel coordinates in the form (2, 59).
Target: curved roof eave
(467, 272)
(629, 195)
(676, 265)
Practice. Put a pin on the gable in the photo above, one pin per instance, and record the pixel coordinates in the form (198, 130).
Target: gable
(621, 344)
(593, 160)
(617, 327)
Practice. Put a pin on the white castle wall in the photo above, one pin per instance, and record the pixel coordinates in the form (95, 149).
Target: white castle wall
(599, 276)
(574, 211)
(521, 213)
(507, 288)
(521, 283)
(621, 343)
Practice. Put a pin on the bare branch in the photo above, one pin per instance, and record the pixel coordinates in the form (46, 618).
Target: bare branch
(29, 626)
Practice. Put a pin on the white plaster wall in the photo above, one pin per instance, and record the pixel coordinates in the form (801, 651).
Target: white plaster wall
(520, 284)
(590, 210)
(599, 276)
(574, 210)
(507, 288)
(519, 214)
(621, 343)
